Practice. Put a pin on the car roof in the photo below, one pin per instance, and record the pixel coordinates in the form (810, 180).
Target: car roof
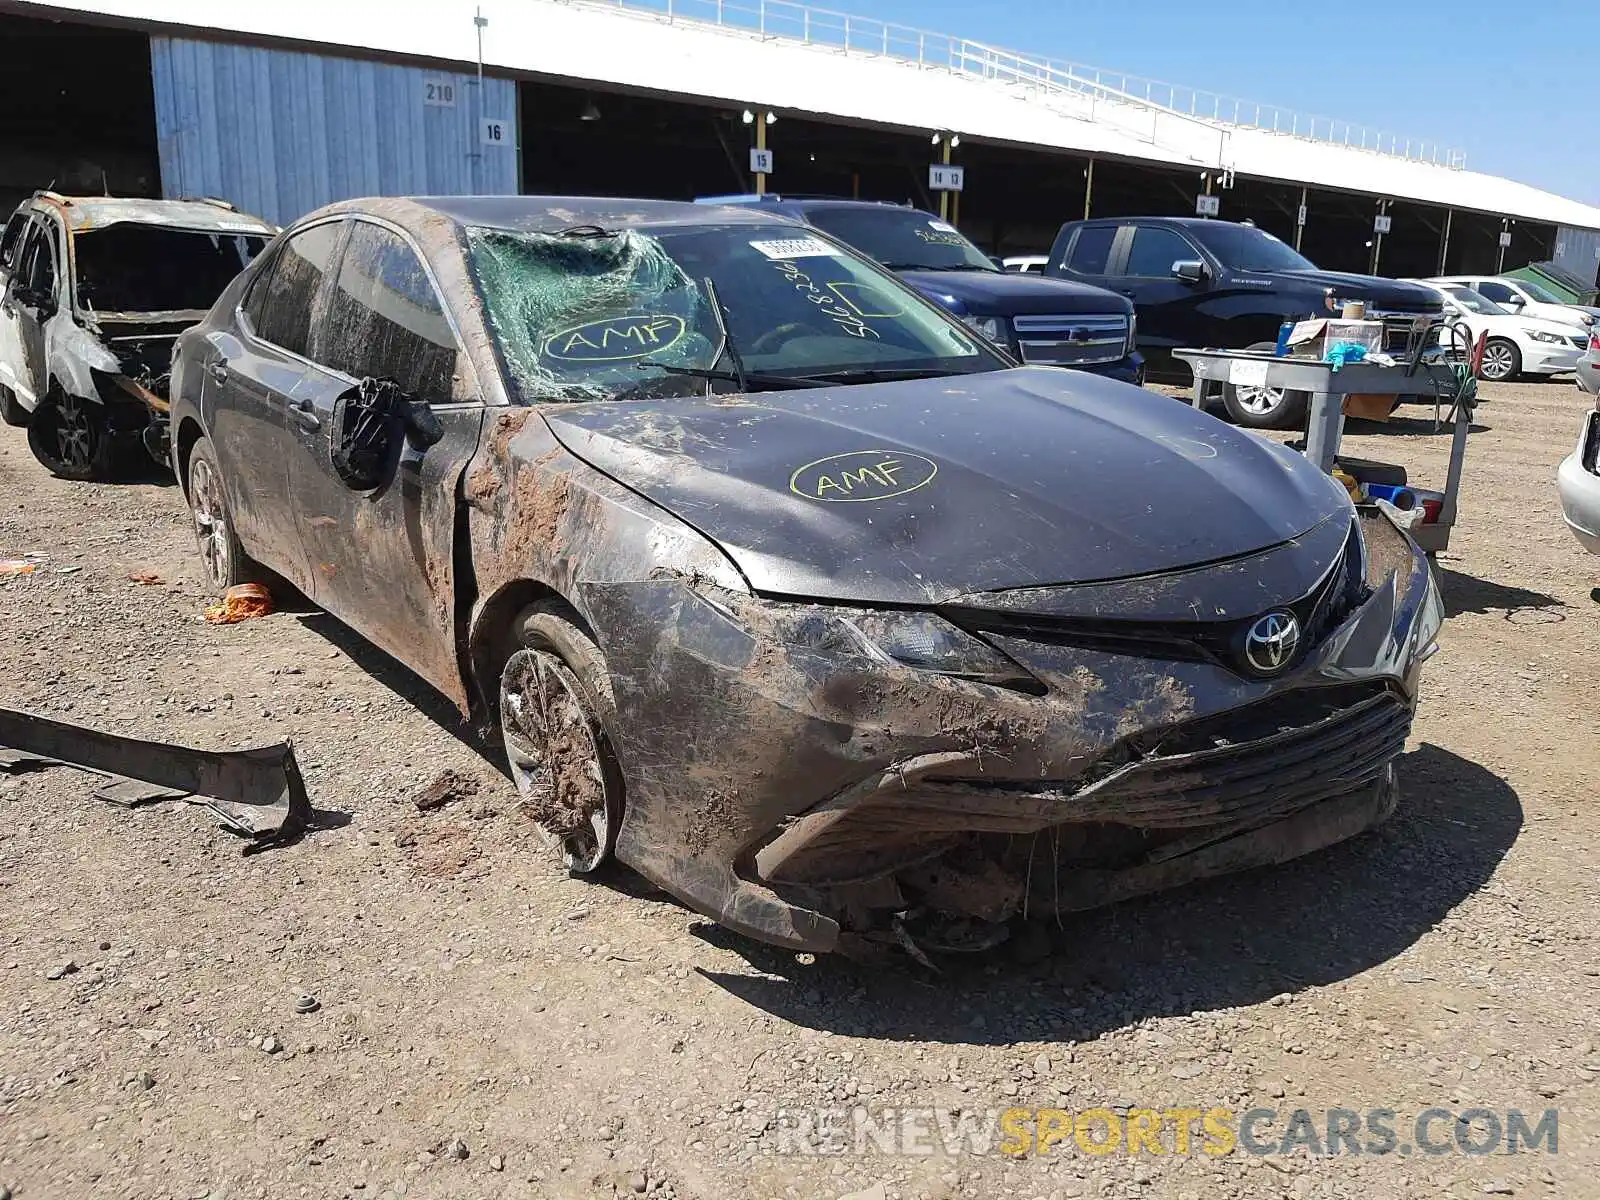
(551, 214)
(82, 213)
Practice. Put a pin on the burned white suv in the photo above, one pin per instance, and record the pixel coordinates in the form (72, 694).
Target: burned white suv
(93, 292)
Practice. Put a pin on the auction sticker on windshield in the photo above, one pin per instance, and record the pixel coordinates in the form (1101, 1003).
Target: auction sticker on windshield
(797, 248)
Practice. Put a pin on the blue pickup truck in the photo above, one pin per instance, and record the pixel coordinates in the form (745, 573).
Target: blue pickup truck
(1048, 322)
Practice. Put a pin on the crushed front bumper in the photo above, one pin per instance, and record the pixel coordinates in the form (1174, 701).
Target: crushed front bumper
(801, 793)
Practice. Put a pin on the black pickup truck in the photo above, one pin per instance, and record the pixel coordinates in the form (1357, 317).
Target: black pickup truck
(1196, 282)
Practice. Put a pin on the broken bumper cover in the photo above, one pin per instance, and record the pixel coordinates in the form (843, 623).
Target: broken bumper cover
(790, 776)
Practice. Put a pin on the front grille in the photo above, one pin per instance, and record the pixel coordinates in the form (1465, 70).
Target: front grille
(1071, 340)
(1580, 341)
(1340, 591)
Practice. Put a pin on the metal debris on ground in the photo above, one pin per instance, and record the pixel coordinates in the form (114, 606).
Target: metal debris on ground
(306, 1005)
(447, 787)
(257, 792)
(240, 603)
(26, 565)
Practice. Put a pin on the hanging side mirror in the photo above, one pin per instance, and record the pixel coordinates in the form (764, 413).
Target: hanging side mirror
(369, 422)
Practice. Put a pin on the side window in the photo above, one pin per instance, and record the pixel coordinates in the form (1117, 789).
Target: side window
(1496, 291)
(1155, 250)
(12, 238)
(255, 299)
(284, 315)
(1092, 250)
(37, 263)
(385, 319)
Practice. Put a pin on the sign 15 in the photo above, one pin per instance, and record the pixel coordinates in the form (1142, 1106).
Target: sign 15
(760, 162)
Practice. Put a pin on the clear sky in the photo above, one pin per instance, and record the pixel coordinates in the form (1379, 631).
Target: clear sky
(1514, 83)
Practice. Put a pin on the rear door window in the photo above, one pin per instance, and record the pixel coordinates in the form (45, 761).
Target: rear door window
(11, 239)
(1154, 251)
(385, 319)
(1495, 290)
(285, 311)
(1091, 250)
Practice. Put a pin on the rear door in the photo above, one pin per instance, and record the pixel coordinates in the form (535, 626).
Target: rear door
(382, 560)
(252, 371)
(1089, 254)
(1171, 312)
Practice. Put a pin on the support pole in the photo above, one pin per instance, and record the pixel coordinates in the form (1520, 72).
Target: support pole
(1299, 225)
(944, 156)
(1444, 241)
(761, 144)
(1088, 189)
(1377, 240)
(1500, 258)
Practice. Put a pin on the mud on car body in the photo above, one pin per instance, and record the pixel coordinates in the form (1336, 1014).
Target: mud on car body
(785, 587)
(93, 292)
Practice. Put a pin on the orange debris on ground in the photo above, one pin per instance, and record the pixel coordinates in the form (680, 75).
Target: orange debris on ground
(240, 603)
(148, 578)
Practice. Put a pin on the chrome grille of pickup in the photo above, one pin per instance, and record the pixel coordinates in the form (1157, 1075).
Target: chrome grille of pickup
(1071, 340)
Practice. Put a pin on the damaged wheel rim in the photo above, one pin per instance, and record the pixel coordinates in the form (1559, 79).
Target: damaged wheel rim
(553, 746)
(75, 433)
(210, 520)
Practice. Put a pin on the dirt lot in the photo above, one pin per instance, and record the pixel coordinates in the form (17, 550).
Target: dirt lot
(577, 1038)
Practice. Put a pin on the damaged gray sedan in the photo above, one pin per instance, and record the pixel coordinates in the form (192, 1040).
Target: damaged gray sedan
(783, 587)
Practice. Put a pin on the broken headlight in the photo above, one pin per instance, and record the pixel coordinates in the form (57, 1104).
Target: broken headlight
(920, 640)
(930, 643)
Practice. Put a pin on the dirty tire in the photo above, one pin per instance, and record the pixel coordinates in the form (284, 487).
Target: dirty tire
(555, 705)
(11, 410)
(221, 556)
(1265, 408)
(1502, 361)
(72, 437)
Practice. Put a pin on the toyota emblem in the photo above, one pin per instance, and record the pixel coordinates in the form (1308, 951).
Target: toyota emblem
(1271, 643)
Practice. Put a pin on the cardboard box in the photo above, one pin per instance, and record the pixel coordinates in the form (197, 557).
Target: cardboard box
(1313, 339)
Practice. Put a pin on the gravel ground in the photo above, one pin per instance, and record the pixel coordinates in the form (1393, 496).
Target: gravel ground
(488, 1027)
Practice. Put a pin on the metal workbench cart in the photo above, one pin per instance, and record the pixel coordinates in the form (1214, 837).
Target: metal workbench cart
(1329, 388)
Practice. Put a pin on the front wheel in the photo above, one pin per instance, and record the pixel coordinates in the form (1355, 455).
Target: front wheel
(1501, 361)
(73, 438)
(225, 562)
(555, 705)
(1265, 407)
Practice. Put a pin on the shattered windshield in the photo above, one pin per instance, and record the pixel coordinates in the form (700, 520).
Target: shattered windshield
(902, 239)
(590, 314)
(132, 267)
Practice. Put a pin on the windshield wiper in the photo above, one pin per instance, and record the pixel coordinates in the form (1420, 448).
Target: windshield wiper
(743, 378)
(879, 374)
(907, 266)
(726, 346)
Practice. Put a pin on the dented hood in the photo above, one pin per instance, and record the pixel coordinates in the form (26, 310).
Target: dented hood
(921, 491)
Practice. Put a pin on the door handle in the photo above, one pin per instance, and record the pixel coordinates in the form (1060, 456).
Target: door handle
(304, 413)
(217, 368)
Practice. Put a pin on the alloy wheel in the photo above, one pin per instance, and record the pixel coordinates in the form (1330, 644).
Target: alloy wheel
(552, 744)
(1259, 401)
(1497, 361)
(76, 433)
(210, 521)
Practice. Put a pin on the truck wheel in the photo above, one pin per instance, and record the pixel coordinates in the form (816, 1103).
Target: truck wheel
(73, 438)
(1501, 361)
(225, 562)
(1264, 407)
(11, 410)
(556, 705)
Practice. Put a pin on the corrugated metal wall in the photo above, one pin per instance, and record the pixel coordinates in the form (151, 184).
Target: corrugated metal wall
(279, 133)
(1578, 251)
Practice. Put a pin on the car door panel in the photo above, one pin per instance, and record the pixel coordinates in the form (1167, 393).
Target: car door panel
(382, 560)
(15, 238)
(37, 273)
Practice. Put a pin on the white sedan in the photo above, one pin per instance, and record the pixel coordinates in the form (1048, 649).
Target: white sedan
(1579, 484)
(1517, 344)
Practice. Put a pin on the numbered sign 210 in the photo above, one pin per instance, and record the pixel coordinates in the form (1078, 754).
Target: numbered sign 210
(496, 131)
(439, 93)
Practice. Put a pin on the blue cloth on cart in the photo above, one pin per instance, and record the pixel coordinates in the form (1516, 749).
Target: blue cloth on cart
(1342, 353)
